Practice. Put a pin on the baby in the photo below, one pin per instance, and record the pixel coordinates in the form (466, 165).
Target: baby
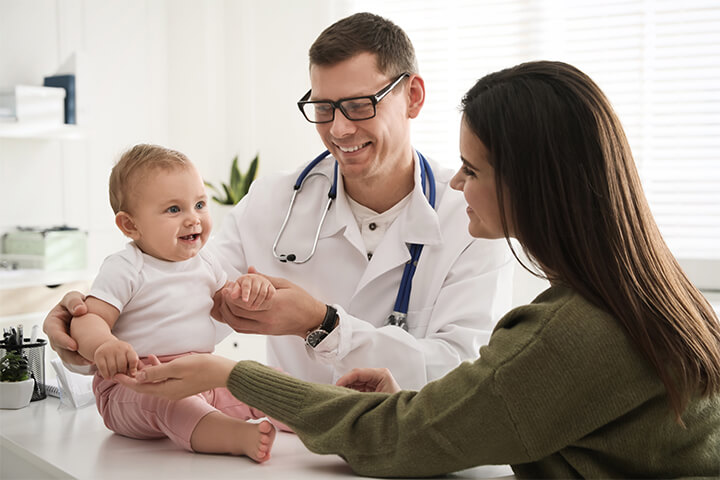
(155, 298)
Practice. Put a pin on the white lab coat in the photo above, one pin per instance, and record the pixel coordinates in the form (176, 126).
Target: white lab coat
(461, 287)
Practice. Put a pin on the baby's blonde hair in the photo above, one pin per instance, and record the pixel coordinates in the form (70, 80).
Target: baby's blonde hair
(136, 162)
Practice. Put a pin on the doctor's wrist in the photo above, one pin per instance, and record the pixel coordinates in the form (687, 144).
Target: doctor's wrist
(313, 319)
(318, 334)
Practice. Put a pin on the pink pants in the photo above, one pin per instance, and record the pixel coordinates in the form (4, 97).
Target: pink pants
(135, 415)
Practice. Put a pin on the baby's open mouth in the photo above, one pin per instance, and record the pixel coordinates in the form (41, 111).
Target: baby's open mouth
(191, 237)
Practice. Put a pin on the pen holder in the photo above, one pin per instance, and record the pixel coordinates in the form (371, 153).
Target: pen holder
(35, 354)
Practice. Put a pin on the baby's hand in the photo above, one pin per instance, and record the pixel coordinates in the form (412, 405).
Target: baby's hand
(254, 291)
(116, 356)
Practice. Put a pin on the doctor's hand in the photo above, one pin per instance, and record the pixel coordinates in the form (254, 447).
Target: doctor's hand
(293, 311)
(57, 327)
(369, 380)
(180, 377)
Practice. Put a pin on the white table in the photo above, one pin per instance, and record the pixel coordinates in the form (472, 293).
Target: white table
(46, 440)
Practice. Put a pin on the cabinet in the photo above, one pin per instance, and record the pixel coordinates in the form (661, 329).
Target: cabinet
(34, 163)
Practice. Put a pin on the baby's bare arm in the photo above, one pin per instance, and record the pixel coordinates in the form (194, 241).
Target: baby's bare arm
(96, 342)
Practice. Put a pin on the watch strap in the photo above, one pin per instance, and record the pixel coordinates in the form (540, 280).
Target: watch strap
(328, 323)
(317, 335)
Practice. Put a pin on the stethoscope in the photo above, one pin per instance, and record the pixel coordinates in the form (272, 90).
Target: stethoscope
(398, 317)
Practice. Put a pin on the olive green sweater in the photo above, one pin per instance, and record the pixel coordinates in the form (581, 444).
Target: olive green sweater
(560, 391)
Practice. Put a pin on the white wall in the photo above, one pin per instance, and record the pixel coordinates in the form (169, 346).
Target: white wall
(212, 79)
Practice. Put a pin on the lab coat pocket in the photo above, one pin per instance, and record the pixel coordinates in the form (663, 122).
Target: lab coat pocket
(418, 321)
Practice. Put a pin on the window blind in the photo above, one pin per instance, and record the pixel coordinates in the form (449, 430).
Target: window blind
(657, 61)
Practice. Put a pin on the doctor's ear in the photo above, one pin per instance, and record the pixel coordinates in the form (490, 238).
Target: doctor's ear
(126, 225)
(416, 95)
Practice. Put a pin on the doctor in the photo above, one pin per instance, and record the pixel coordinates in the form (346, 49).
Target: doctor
(338, 263)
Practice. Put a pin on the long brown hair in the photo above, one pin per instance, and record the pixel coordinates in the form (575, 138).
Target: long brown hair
(578, 209)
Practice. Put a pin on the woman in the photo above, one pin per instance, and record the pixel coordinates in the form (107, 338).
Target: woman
(614, 371)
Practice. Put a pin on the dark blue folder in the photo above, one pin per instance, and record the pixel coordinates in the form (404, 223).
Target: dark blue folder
(68, 83)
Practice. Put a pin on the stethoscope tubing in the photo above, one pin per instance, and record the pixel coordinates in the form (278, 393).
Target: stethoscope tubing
(399, 315)
(332, 194)
(402, 301)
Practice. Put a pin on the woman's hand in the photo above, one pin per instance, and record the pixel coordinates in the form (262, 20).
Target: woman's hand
(369, 380)
(57, 326)
(180, 377)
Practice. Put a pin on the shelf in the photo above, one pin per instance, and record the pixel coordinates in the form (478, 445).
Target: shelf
(10, 279)
(14, 130)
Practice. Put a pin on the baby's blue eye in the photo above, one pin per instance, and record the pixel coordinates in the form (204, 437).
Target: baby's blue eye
(173, 209)
(200, 205)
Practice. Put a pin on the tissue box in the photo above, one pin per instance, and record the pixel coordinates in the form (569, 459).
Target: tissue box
(47, 249)
(31, 104)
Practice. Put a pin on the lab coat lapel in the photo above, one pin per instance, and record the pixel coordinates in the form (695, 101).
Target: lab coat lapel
(340, 218)
(417, 223)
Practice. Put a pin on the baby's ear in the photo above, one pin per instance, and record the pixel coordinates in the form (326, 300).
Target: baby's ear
(126, 225)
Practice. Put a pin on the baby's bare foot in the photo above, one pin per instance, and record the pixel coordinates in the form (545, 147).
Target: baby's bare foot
(258, 440)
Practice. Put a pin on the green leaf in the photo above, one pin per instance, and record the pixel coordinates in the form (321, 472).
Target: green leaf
(228, 195)
(235, 175)
(239, 183)
(250, 175)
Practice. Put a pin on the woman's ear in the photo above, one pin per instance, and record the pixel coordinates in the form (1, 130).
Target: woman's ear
(416, 94)
(126, 225)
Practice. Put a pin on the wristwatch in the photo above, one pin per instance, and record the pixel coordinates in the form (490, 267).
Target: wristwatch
(314, 337)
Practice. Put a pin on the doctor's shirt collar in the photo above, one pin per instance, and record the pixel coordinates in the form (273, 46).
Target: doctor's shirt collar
(418, 222)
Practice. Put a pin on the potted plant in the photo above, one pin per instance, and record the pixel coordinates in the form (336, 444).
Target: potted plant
(16, 386)
(239, 185)
(232, 192)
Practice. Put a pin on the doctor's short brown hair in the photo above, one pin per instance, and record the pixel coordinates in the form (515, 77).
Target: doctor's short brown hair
(134, 164)
(365, 33)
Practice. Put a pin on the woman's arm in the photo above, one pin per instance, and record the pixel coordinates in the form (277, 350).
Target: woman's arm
(181, 377)
(452, 424)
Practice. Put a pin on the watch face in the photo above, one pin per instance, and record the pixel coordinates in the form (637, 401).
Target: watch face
(315, 337)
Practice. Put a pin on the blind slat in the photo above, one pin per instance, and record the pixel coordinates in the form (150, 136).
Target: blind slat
(658, 62)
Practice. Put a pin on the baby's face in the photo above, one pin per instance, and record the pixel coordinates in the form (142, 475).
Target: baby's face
(171, 214)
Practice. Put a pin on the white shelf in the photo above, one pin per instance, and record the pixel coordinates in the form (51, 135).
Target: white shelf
(15, 130)
(32, 278)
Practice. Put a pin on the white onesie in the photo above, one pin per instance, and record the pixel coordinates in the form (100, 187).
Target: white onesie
(164, 306)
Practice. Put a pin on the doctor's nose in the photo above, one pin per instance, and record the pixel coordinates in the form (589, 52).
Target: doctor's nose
(341, 126)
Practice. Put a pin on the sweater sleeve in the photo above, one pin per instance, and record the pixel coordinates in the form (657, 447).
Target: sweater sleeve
(445, 427)
(553, 373)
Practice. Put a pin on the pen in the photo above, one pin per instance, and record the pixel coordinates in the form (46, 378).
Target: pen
(34, 333)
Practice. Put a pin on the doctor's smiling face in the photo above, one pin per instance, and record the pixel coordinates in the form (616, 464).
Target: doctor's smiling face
(476, 179)
(168, 216)
(376, 148)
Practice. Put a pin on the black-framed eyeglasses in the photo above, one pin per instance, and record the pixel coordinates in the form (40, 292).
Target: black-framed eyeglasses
(354, 108)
